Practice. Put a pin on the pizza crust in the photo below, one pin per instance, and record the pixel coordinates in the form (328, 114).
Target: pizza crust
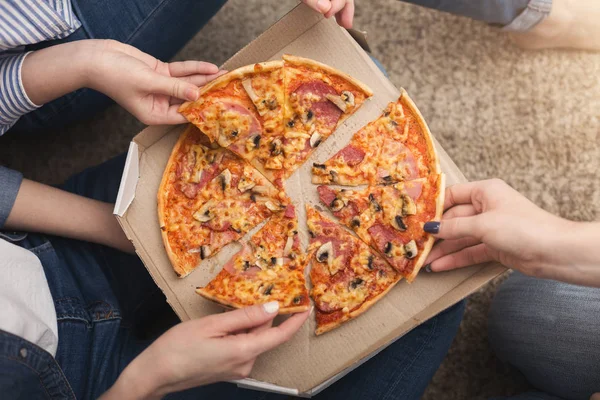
(301, 61)
(229, 304)
(407, 101)
(224, 80)
(439, 210)
(355, 313)
(181, 270)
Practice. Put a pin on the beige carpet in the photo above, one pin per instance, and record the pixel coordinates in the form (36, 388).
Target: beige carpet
(531, 118)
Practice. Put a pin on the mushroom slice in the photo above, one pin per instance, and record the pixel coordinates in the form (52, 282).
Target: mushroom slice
(260, 189)
(337, 204)
(245, 184)
(410, 249)
(408, 206)
(398, 223)
(273, 206)
(355, 283)
(288, 246)
(337, 100)
(315, 139)
(205, 252)
(319, 166)
(388, 249)
(247, 84)
(204, 213)
(276, 147)
(262, 263)
(252, 142)
(224, 179)
(325, 254)
(347, 97)
(375, 206)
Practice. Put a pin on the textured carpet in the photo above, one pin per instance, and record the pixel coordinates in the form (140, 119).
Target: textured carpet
(531, 118)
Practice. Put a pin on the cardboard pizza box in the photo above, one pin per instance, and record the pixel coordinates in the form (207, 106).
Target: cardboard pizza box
(307, 364)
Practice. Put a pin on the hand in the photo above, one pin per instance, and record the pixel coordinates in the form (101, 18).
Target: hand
(148, 88)
(488, 220)
(342, 9)
(216, 348)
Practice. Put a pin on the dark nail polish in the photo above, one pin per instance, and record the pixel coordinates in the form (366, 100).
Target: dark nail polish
(428, 268)
(431, 227)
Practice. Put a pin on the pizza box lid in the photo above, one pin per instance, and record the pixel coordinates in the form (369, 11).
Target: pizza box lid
(307, 364)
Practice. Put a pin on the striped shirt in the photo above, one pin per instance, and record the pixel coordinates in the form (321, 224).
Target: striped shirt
(22, 23)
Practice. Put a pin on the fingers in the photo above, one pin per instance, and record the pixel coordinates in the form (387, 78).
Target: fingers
(346, 16)
(273, 337)
(336, 7)
(462, 210)
(174, 87)
(456, 228)
(321, 6)
(244, 318)
(459, 194)
(201, 80)
(446, 247)
(185, 68)
(469, 256)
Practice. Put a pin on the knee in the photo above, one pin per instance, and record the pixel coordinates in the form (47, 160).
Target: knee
(547, 330)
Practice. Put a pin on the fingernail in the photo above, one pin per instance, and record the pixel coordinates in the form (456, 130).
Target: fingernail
(271, 307)
(191, 94)
(431, 227)
(428, 268)
(322, 6)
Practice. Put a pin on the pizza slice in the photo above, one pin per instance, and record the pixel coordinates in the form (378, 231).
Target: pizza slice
(208, 198)
(407, 149)
(223, 111)
(391, 218)
(268, 268)
(318, 98)
(356, 163)
(347, 276)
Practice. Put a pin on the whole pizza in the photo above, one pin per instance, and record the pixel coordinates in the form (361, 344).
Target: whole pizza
(225, 182)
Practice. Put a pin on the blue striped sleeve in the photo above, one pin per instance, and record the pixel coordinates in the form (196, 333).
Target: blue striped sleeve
(14, 102)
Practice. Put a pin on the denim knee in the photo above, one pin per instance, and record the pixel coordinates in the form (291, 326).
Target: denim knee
(548, 330)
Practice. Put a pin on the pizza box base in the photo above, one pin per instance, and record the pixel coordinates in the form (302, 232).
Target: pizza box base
(307, 364)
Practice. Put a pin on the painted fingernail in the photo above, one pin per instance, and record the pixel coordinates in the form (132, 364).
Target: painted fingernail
(431, 227)
(271, 307)
(191, 94)
(428, 268)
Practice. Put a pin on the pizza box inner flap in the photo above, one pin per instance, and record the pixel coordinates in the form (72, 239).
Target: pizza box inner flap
(307, 363)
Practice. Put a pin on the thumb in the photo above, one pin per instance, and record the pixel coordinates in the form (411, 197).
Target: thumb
(455, 228)
(174, 87)
(321, 6)
(244, 318)
(595, 396)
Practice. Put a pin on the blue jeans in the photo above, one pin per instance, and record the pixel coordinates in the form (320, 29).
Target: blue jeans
(549, 331)
(158, 27)
(109, 310)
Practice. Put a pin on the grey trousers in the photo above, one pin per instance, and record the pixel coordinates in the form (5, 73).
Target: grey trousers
(550, 331)
(511, 15)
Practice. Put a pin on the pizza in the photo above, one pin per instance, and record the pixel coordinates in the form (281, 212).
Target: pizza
(395, 156)
(395, 147)
(208, 198)
(275, 114)
(347, 276)
(270, 267)
(251, 129)
(390, 218)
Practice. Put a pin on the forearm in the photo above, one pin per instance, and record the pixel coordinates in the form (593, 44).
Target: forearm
(45, 209)
(577, 255)
(52, 72)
